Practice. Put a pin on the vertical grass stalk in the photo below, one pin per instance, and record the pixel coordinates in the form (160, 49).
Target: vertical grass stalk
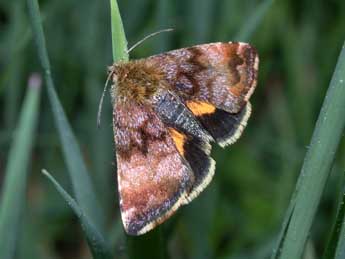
(316, 167)
(119, 41)
(14, 187)
(78, 172)
(336, 244)
(98, 246)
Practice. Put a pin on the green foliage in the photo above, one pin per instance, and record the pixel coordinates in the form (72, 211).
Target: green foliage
(240, 214)
(316, 167)
(118, 34)
(16, 173)
(95, 240)
(77, 169)
(336, 244)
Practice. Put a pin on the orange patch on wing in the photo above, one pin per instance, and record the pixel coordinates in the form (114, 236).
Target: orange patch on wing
(200, 108)
(179, 140)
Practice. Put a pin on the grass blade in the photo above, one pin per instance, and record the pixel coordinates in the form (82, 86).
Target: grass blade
(97, 244)
(340, 250)
(118, 34)
(78, 172)
(13, 194)
(254, 20)
(336, 245)
(316, 167)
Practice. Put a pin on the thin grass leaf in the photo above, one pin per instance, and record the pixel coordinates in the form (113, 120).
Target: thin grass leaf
(14, 187)
(340, 250)
(78, 172)
(118, 34)
(254, 21)
(97, 244)
(336, 245)
(284, 227)
(317, 164)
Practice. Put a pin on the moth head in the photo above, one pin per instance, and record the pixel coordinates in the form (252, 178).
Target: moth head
(114, 71)
(135, 80)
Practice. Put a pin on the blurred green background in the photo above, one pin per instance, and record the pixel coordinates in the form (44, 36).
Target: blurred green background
(240, 214)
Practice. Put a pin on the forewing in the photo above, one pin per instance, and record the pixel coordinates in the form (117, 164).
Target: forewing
(215, 82)
(153, 178)
(221, 74)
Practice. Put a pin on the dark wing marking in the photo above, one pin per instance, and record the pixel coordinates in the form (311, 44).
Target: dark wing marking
(190, 138)
(226, 127)
(197, 154)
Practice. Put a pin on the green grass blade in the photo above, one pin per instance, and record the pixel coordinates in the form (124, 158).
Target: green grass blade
(14, 187)
(97, 244)
(340, 250)
(254, 20)
(78, 172)
(118, 34)
(336, 245)
(318, 161)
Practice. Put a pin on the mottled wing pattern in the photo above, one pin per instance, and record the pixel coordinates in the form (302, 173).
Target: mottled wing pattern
(153, 178)
(215, 82)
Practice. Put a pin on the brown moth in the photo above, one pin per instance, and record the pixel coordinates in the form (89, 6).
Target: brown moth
(167, 109)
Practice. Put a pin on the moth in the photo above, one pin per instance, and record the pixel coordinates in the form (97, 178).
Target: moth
(167, 110)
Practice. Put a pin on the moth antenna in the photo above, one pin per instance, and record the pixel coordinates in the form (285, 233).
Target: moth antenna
(99, 113)
(147, 37)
